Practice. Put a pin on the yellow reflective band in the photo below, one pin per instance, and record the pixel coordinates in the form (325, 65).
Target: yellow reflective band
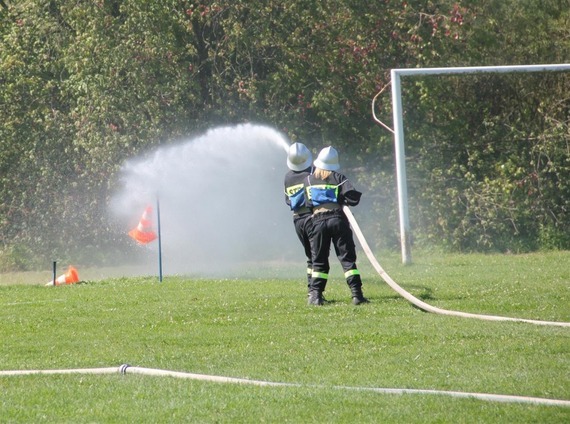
(320, 275)
(291, 190)
(351, 272)
(309, 271)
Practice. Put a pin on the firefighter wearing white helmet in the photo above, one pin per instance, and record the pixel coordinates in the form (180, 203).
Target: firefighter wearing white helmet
(327, 190)
(299, 162)
(328, 159)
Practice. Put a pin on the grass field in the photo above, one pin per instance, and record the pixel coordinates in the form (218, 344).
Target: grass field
(258, 326)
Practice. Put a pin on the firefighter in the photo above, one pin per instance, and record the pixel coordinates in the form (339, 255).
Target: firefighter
(327, 191)
(299, 162)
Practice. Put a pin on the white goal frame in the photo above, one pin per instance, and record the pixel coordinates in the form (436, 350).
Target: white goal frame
(396, 75)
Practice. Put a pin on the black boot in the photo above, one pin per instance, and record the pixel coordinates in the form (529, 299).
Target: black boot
(316, 289)
(322, 295)
(357, 296)
(316, 298)
(355, 284)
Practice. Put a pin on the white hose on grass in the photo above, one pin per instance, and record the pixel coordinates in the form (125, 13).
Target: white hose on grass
(111, 370)
(417, 302)
(127, 369)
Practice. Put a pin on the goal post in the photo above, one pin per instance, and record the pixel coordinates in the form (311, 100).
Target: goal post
(396, 75)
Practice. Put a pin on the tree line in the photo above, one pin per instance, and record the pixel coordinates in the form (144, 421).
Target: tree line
(84, 85)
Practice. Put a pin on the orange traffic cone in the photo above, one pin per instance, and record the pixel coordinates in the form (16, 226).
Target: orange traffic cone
(143, 232)
(70, 277)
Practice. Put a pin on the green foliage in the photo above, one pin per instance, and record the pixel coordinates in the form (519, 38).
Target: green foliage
(86, 85)
(16, 258)
(488, 180)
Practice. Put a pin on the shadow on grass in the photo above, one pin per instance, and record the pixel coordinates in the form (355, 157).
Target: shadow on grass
(421, 292)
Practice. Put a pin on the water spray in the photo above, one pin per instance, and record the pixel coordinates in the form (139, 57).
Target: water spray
(221, 201)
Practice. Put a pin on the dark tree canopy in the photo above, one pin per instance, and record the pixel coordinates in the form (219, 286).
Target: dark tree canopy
(85, 85)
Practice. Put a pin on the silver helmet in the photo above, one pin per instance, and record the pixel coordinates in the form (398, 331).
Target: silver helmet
(299, 157)
(328, 159)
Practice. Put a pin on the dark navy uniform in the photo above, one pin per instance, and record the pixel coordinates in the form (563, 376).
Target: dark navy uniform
(296, 199)
(330, 224)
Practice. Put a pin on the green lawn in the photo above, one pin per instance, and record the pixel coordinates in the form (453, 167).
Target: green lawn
(258, 326)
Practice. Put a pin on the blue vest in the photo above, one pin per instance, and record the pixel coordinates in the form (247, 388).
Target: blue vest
(319, 194)
(296, 195)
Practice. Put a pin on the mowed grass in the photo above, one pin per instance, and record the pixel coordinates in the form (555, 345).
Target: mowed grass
(259, 327)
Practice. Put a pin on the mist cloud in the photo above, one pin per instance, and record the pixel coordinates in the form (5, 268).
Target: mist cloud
(221, 200)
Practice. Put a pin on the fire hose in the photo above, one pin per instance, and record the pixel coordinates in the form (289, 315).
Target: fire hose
(421, 304)
(128, 369)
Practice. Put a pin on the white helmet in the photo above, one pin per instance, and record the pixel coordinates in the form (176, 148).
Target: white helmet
(299, 157)
(328, 159)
